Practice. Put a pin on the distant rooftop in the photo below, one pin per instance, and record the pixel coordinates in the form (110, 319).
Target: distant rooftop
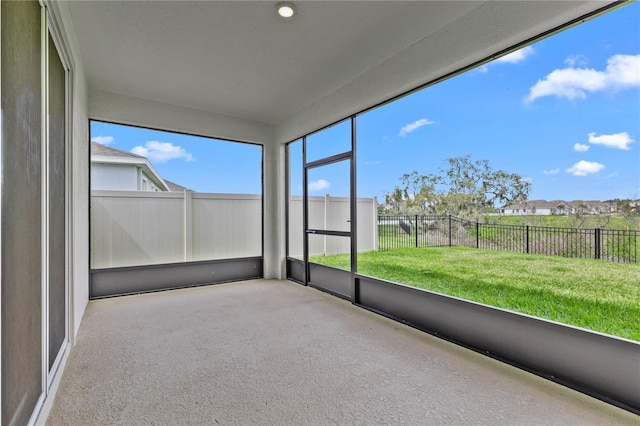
(100, 149)
(553, 204)
(174, 187)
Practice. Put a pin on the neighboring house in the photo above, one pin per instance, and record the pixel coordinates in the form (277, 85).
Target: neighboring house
(118, 170)
(543, 207)
(591, 207)
(538, 207)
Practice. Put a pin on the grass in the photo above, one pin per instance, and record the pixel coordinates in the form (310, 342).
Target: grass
(592, 294)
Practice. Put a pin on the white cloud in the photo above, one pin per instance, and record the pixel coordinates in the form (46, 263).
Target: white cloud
(583, 168)
(622, 72)
(162, 152)
(415, 125)
(512, 58)
(617, 140)
(318, 185)
(551, 172)
(581, 147)
(517, 56)
(574, 60)
(103, 140)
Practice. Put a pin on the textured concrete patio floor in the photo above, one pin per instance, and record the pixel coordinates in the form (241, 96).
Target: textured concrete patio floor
(276, 353)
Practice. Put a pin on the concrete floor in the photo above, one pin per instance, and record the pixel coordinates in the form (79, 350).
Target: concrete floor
(274, 352)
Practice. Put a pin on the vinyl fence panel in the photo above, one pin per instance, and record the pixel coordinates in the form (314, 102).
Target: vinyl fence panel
(295, 226)
(134, 228)
(332, 213)
(226, 226)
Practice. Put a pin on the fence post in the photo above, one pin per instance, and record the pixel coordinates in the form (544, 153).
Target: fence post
(477, 234)
(324, 237)
(527, 239)
(375, 223)
(596, 235)
(416, 231)
(449, 230)
(188, 228)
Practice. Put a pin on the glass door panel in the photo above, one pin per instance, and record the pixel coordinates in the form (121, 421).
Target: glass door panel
(330, 250)
(329, 142)
(328, 202)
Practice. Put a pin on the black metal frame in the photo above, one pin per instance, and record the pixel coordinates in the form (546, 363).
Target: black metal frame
(294, 268)
(601, 366)
(96, 274)
(111, 282)
(580, 359)
(328, 283)
(598, 365)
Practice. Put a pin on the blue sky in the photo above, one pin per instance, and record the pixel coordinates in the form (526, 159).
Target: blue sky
(200, 164)
(564, 112)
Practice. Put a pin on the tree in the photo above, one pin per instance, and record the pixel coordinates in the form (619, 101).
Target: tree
(463, 187)
(628, 207)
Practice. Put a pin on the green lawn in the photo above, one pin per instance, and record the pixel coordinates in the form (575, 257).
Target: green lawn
(597, 295)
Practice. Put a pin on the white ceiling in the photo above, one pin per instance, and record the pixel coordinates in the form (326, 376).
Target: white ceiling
(239, 59)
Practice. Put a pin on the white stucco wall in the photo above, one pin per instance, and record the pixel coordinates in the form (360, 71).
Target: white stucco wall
(274, 211)
(156, 115)
(119, 177)
(79, 202)
(150, 184)
(78, 174)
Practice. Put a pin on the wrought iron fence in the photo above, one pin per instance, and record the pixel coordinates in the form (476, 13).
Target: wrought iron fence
(450, 231)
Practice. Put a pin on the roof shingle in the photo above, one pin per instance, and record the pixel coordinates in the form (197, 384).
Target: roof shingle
(99, 149)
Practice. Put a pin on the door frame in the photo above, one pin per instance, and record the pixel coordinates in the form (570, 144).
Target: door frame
(349, 156)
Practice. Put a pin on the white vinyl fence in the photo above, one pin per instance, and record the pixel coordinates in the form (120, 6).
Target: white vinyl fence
(143, 228)
(332, 213)
(133, 228)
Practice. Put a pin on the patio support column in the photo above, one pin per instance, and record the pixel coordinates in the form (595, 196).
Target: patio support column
(274, 210)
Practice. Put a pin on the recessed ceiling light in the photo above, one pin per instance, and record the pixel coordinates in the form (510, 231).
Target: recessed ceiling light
(286, 9)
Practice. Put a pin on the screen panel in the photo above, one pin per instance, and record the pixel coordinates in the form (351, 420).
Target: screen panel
(57, 224)
(328, 204)
(21, 210)
(328, 142)
(295, 241)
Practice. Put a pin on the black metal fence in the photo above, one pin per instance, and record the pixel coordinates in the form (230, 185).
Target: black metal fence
(450, 231)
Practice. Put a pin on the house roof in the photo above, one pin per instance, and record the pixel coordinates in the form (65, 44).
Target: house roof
(174, 187)
(529, 204)
(553, 204)
(108, 155)
(100, 149)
